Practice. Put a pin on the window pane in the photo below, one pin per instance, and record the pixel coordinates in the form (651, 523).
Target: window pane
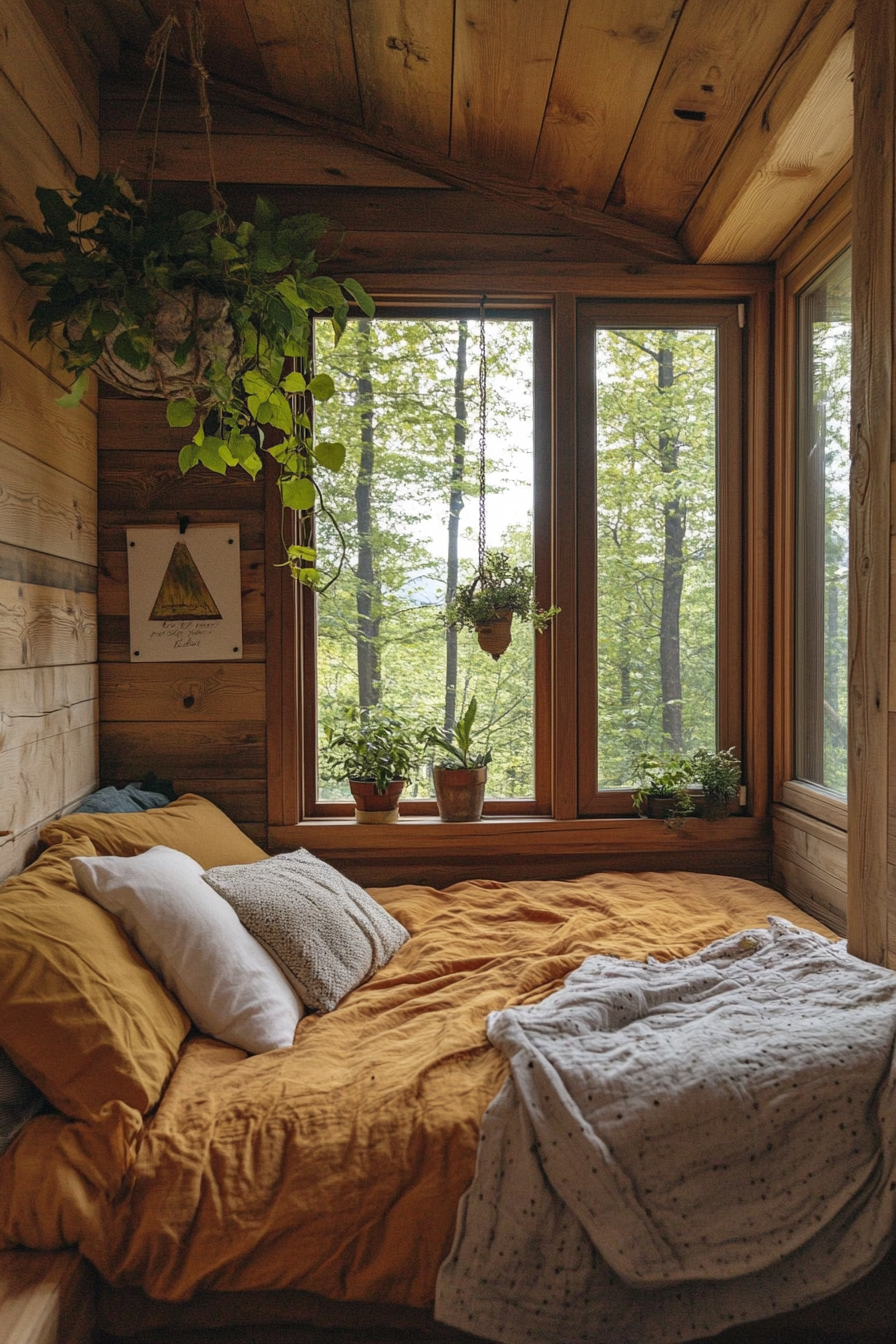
(407, 507)
(656, 545)
(825, 342)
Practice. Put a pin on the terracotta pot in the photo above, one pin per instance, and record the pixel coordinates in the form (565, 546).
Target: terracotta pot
(176, 316)
(494, 638)
(460, 793)
(372, 808)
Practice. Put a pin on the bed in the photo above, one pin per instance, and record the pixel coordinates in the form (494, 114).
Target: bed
(320, 1183)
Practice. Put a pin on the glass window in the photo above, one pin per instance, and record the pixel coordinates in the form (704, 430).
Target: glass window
(405, 510)
(823, 386)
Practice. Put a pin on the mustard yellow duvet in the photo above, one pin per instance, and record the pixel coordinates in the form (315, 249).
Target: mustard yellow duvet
(336, 1166)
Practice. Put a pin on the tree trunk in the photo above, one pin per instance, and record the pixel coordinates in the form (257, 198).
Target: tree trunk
(367, 591)
(455, 504)
(674, 526)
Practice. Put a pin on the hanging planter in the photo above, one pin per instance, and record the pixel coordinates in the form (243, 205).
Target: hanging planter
(499, 590)
(210, 315)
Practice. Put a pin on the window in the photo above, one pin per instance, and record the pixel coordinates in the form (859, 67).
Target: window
(824, 337)
(405, 510)
(659, 525)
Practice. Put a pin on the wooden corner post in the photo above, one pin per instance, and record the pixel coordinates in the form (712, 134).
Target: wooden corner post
(872, 783)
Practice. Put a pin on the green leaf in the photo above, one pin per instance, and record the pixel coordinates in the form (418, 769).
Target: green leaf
(188, 456)
(266, 213)
(57, 213)
(73, 398)
(254, 384)
(180, 413)
(360, 296)
(294, 382)
(322, 387)
(185, 348)
(310, 577)
(242, 446)
(281, 412)
(330, 455)
(298, 493)
(104, 320)
(223, 250)
(301, 552)
(132, 354)
(251, 464)
(210, 454)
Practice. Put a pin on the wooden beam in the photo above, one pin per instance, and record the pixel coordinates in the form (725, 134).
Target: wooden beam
(795, 137)
(467, 176)
(870, 783)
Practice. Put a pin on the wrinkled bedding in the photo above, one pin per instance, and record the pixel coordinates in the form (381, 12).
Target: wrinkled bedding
(337, 1166)
(680, 1146)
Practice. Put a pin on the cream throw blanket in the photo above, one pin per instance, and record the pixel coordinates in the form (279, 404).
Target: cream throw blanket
(682, 1146)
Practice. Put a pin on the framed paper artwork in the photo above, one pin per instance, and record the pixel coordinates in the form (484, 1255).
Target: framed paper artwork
(184, 593)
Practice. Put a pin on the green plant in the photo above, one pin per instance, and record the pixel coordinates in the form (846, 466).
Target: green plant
(500, 587)
(663, 777)
(212, 316)
(717, 772)
(460, 752)
(378, 746)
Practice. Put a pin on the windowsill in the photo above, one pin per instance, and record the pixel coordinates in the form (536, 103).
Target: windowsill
(430, 837)
(815, 802)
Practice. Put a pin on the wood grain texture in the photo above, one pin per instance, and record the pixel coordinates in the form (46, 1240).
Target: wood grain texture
(821, 27)
(307, 53)
(542, 280)
(31, 420)
(564, 628)
(46, 1297)
(20, 565)
(44, 702)
(44, 510)
(28, 155)
(757, 533)
(44, 627)
(712, 70)
(60, 30)
(230, 47)
(41, 80)
(181, 692)
(44, 775)
(833, 203)
(154, 481)
(607, 62)
(810, 151)
(403, 50)
(409, 251)
(16, 302)
(503, 62)
(815, 802)
(201, 750)
(870, 780)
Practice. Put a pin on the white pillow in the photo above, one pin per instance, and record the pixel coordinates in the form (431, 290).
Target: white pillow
(226, 981)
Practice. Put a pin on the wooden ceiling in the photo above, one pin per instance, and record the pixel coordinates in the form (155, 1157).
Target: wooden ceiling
(678, 129)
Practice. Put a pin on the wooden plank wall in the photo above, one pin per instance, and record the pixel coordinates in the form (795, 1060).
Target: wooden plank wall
(48, 576)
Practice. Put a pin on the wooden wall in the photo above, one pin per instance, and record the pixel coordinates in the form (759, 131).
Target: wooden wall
(48, 576)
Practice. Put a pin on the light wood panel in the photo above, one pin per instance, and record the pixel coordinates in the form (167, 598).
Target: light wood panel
(820, 29)
(46, 1297)
(870, 779)
(230, 47)
(606, 67)
(16, 302)
(403, 50)
(181, 692)
(44, 510)
(811, 150)
(30, 157)
(833, 203)
(713, 68)
(307, 53)
(42, 626)
(42, 776)
(45, 702)
(31, 420)
(503, 61)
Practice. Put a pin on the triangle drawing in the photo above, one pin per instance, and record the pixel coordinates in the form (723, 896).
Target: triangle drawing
(184, 595)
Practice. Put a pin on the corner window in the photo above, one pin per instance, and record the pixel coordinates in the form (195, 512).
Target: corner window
(824, 341)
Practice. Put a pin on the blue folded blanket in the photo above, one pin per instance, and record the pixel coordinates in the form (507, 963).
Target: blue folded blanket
(132, 798)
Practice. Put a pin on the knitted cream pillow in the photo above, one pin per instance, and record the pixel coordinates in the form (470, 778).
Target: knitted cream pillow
(326, 933)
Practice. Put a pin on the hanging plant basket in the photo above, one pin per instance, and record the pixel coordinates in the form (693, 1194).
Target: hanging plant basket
(494, 636)
(189, 313)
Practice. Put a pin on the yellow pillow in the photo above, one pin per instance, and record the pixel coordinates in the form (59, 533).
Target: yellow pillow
(81, 1013)
(191, 824)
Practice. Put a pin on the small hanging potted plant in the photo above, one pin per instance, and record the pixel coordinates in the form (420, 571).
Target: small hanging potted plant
(376, 754)
(718, 774)
(460, 776)
(662, 787)
(499, 591)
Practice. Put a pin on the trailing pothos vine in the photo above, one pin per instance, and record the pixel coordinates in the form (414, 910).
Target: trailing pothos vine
(212, 316)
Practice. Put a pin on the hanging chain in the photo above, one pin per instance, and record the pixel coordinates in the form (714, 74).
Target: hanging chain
(482, 427)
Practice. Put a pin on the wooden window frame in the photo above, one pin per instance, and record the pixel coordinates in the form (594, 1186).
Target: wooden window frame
(803, 263)
(562, 843)
(724, 318)
(540, 803)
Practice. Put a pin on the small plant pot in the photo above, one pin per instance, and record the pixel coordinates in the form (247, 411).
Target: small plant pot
(495, 637)
(715, 809)
(657, 806)
(460, 794)
(372, 808)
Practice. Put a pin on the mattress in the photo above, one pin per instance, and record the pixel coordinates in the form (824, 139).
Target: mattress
(335, 1167)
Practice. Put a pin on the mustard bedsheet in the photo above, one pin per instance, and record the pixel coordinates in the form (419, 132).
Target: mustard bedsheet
(336, 1166)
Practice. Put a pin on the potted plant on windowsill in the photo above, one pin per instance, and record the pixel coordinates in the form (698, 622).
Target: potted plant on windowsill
(488, 604)
(375, 753)
(662, 787)
(459, 778)
(718, 774)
